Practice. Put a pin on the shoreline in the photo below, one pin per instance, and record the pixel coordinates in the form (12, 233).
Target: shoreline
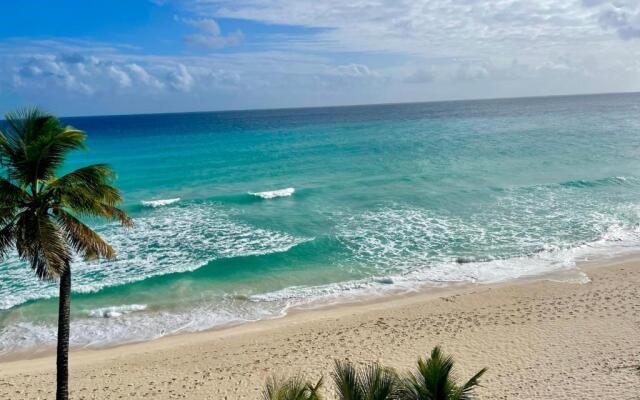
(426, 291)
(582, 330)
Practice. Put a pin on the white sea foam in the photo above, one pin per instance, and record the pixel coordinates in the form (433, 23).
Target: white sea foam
(175, 239)
(123, 324)
(553, 264)
(404, 248)
(159, 203)
(136, 326)
(414, 248)
(274, 193)
(116, 311)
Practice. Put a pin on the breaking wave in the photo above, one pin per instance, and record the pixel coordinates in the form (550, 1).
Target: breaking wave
(159, 203)
(170, 240)
(274, 193)
(116, 311)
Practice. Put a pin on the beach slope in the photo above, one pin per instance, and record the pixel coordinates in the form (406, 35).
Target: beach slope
(540, 340)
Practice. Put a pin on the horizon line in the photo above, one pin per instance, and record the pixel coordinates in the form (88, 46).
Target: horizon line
(349, 105)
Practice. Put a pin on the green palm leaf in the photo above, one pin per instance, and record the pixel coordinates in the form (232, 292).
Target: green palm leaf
(291, 389)
(373, 382)
(7, 239)
(39, 212)
(39, 241)
(83, 239)
(433, 380)
(346, 380)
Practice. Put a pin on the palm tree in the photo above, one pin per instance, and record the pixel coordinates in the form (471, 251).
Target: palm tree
(373, 382)
(39, 212)
(433, 380)
(292, 389)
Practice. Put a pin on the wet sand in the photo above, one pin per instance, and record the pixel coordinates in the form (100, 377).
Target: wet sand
(540, 339)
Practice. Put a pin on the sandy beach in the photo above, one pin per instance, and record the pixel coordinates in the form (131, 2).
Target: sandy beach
(540, 339)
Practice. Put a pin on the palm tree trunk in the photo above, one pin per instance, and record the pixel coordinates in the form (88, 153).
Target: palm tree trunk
(62, 362)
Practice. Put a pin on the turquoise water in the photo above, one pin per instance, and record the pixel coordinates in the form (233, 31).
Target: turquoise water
(266, 210)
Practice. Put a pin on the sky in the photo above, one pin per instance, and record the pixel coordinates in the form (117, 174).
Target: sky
(92, 57)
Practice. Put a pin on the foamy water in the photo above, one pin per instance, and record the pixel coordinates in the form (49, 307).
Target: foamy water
(389, 199)
(274, 193)
(159, 203)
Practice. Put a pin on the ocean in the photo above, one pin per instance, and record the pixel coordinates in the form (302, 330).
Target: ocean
(240, 216)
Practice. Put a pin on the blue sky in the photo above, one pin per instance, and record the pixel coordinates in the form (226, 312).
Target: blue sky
(87, 57)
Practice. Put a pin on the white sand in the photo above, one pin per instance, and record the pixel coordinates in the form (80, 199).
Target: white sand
(540, 340)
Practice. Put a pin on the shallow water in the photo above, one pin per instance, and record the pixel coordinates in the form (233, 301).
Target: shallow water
(241, 215)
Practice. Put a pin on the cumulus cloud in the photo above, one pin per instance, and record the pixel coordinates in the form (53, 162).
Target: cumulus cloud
(625, 21)
(85, 75)
(362, 51)
(48, 71)
(143, 76)
(210, 34)
(180, 79)
(118, 75)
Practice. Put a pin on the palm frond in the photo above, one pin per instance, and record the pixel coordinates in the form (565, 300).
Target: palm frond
(345, 377)
(91, 176)
(433, 380)
(10, 151)
(84, 202)
(93, 180)
(26, 122)
(34, 145)
(47, 152)
(379, 383)
(436, 372)
(82, 238)
(314, 389)
(10, 195)
(7, 239)
(39, 212)
(465, 391)
(295, 388)
(87, 191)
(372, 382)
(39, 241)
(117, 214)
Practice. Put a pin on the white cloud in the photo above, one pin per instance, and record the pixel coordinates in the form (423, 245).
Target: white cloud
(45, 71)
(340, 51)
(414, 26)
(180, 79)
(210, 34)
(143, 76)
(624, 20)
(207, 25)
(118, 75)
(354, 71)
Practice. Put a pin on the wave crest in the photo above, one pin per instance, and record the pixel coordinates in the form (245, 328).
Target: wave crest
(582, 183)
(116, 311)
(274, 193)
(178, 239)
(159, 203)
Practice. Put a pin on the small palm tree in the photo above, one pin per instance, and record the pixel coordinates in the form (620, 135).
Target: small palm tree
(39, 212)
(292, 389)
(373, 382)
(433, 380)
